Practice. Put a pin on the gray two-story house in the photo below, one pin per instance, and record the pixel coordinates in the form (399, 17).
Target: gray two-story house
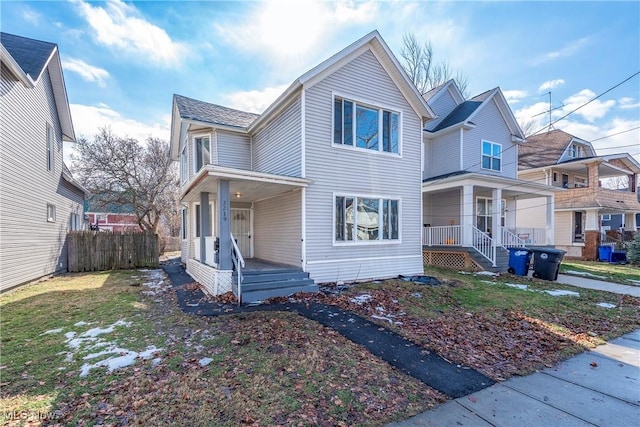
(323, 186)
(39, 199)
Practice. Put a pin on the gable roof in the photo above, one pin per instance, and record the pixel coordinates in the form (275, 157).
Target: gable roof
(373, 42)
(450, 85)
(464, 113)
(28, 59)
(200, 111)
(544, 149)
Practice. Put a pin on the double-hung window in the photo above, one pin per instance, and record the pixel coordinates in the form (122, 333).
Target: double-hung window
(366, 219)
(365, 126)
(491, 156)
(51, 212)
(202, 152)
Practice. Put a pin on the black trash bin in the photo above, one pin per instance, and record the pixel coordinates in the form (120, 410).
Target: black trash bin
(519, 259)
(546, 263)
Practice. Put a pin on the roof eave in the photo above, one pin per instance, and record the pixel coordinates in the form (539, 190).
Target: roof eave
(13, 66)
(60, 95)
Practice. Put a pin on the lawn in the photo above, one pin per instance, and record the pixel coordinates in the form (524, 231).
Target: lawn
(625, 274)
(66, 341)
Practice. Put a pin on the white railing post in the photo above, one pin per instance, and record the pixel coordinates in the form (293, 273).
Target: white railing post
(238, 261)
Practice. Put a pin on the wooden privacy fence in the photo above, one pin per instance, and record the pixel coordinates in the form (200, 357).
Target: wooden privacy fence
(98, 250)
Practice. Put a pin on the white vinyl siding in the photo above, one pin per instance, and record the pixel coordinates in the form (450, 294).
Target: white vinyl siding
(234, 150)
(442, 208)
(277, 146)
(442, 154)
(442, 106)
(31, 247)
(277, 229)
(360, 172)
(490, 126)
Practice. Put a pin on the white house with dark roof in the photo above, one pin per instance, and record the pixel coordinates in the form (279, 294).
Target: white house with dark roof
(572, 165)
(39, 199)
(470, 182)
(323, 186)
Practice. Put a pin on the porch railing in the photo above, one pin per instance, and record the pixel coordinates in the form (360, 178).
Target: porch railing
(483, 244)
(448, 235)
(511, 240)
(531, 236)
(238, 262)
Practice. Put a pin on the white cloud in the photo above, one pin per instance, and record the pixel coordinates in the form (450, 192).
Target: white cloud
(255, 101)
(532, 118)
(628, 103)
(590, 112)
(514, 96)
(615, 136)
(289, 29)
(566, 51)
(86, 71)
(122, 27)
(550, 84)
(87, 119)
(30, 15)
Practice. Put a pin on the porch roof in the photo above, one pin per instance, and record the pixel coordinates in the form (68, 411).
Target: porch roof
(244, 185)
(509, 186)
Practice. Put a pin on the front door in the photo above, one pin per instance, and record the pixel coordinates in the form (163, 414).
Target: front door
(578, 235)
(241, 230)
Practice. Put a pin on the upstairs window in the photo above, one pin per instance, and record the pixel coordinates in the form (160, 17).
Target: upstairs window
(184, 171)
(51, 212)
(576, 151)
(202, 152)
(366, 127)
(50, 141)
(491, 156)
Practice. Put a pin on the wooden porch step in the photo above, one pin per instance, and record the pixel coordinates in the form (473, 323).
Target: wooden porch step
(271, 276)
(263, 294)
(259, 285)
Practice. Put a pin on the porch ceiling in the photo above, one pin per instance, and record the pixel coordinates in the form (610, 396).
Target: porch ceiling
(244, 186)
(510, 187)
(605, 169)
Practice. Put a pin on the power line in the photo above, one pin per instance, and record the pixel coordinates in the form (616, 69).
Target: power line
(618, 133)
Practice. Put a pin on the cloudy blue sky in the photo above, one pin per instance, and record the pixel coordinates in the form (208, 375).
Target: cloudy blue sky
(123, 61)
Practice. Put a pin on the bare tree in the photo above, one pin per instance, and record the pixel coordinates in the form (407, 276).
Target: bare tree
(125, 173)
(421, 67)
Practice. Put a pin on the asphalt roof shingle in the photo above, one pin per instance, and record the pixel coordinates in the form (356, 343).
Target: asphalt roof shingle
(458, 115)
(193, 109)
(31, 55)
(544, 149)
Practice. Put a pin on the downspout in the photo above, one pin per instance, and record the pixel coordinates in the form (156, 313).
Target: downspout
(461, 149)
(303, 195)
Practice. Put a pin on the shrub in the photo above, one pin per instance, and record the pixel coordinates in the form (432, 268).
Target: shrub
(633, 255)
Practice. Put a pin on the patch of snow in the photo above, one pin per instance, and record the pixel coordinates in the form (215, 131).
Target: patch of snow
(485, 273)
(112, 363)
(361, 299)
(205, 361)
(69, 335)
(52, 331)
(518, 286)
(380, 309)
(488, 281)
(562, 292)
(382, 318)
(192, 304)
(110, 350)
(99, 331)
(637, 282)
(77, 342)
(416, 295)
(156, 274)
(606, 305)
(464, 272)
(583, 273)
(351, 320)
(81, 323)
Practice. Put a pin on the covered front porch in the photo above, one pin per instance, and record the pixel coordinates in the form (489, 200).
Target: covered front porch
(481, 212)
(238, 223)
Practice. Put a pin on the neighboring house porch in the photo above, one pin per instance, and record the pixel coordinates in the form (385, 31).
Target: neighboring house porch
(478, 212)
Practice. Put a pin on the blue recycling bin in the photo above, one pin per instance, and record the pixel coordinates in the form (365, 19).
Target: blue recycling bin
(604, 253)
(618, 257)
(519, 259)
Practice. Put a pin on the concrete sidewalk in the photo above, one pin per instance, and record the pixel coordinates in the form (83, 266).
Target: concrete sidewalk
(600, 387)
(583, 282)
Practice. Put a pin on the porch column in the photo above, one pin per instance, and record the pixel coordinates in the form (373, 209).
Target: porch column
(205, 225)
(591, 235)
(467, 215)
(630, 222)
(496, 233)
(551, 228)
(223, 219)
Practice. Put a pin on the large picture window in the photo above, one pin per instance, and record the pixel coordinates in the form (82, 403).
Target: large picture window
(491, 156)
(362, 219)
(366, 127)
(202, 152)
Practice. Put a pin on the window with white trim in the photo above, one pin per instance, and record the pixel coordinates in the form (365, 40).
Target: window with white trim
(364, 126)
(366, 219)
(202, 152)
(606, 217)
(491, 156)
(51, 212)
(184, 168)
(484, 213)
(50, 145)
(183, 231)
